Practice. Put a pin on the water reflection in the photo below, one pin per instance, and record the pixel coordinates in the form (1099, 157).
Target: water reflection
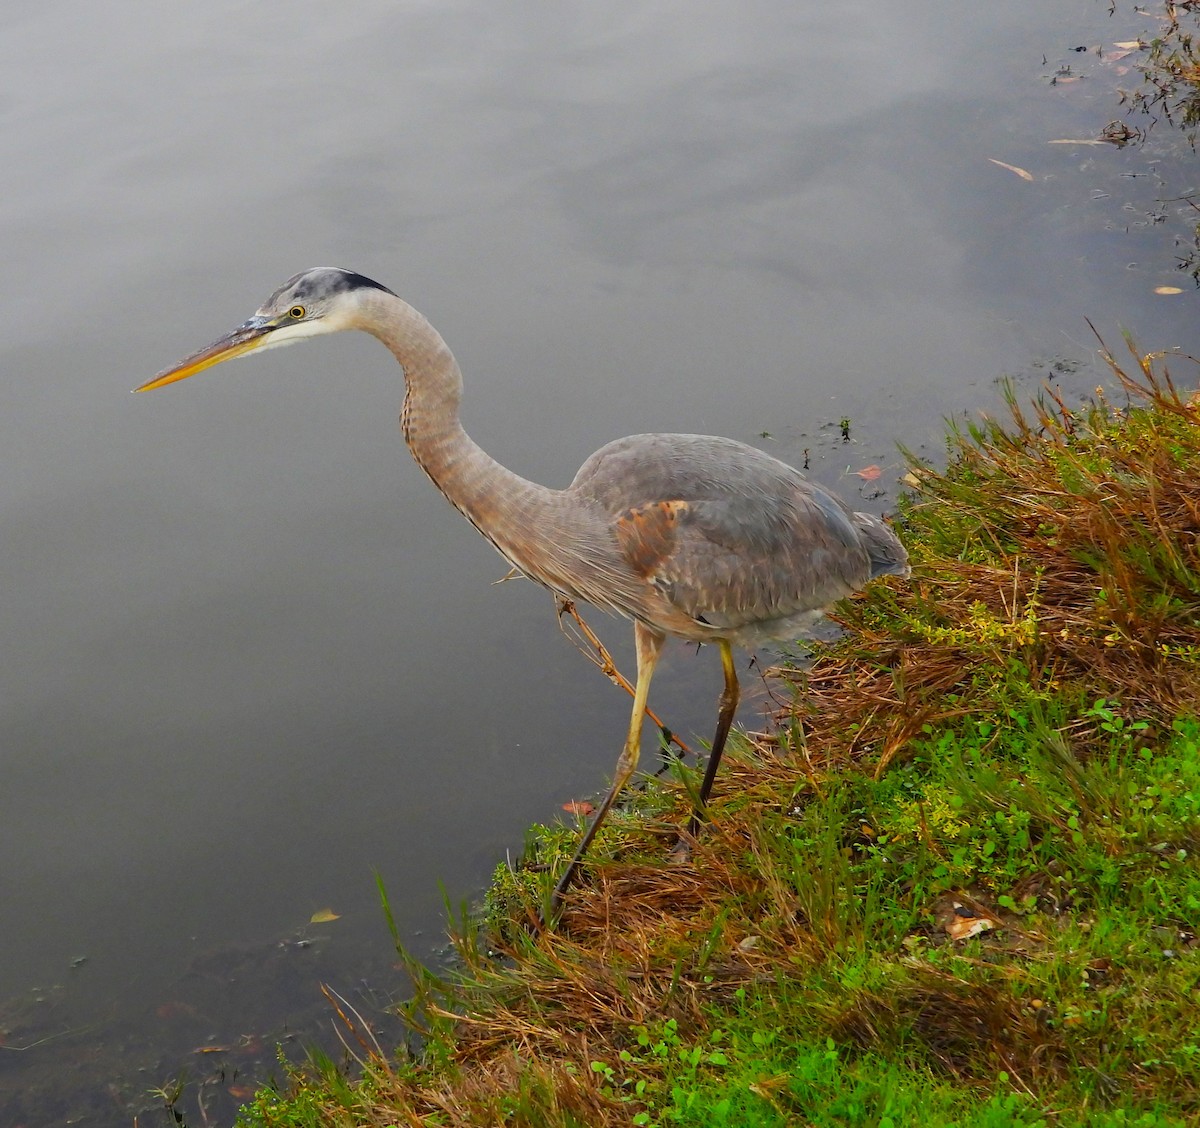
(252, 654)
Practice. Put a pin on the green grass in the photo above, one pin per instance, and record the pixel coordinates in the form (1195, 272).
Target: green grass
(764, 1073)
(956, 883)
(1069, 1001)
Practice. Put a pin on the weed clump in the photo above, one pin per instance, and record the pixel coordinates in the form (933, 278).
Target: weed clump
(956, 883)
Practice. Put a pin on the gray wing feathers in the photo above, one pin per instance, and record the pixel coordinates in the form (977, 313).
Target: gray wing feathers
(751, 543)
(737, 563)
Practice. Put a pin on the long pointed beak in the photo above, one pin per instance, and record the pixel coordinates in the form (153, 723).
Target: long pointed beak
(245, 338)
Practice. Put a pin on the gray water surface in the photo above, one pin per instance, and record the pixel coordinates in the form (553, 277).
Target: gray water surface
(251, 655)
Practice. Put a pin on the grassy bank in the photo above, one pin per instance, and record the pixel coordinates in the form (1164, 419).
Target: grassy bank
(958, 882)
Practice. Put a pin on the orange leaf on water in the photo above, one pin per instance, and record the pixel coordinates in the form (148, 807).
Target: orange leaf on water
(324, 916)
(869, 473)
(579, 807)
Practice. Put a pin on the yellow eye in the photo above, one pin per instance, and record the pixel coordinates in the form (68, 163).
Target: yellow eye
(297, 312)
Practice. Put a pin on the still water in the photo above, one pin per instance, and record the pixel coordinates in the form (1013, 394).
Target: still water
(252, 658)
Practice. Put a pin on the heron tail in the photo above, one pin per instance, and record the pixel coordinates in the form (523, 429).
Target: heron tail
(887, 555)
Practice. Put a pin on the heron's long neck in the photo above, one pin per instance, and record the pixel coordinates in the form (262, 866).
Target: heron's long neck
(495, 500)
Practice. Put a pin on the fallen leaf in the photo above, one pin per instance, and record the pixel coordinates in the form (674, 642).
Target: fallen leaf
(211, 1050)
(579, 807)
(963, 928)
(961, 922)
(1062, 80)
(911, 480)
(869, 473)
(1012, 168)
(240, 1092)
(1113, 56)
(1076, 141)
(1129, 44)
(1167, 290)
(324, 916)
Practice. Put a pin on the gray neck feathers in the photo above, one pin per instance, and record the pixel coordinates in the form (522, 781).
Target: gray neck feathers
(527, 522)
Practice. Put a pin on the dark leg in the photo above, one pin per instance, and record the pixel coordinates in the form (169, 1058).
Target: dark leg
(728, 706)
(649, 646)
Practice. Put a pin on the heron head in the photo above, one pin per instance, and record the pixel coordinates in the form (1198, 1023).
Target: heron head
(319, 300)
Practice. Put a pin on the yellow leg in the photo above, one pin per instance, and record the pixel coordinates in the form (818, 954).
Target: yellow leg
(649, 646)
(600, 656)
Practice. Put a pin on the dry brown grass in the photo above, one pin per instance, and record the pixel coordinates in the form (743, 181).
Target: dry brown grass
(1067, 540)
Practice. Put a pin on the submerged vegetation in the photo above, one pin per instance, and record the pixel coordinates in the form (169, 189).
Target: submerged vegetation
(1170, 71)
(958, 882)
(1165, 60)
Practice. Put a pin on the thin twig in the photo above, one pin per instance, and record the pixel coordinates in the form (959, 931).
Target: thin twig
(340, 1004)
(599, 656)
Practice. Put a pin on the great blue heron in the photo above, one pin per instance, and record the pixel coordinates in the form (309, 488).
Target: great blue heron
(699, 537)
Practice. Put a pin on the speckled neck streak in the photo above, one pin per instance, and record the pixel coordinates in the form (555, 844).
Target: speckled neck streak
(489, 495)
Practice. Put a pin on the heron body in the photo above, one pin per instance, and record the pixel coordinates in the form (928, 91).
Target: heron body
(699, 537)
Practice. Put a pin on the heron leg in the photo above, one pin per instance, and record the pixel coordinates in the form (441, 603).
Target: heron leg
(600, 656)
(727, 708)
(649, 644)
